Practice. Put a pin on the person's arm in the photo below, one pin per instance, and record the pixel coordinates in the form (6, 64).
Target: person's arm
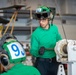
(34, 46)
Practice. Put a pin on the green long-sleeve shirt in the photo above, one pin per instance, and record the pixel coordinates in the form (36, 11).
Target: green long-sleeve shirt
(44, 37)
(20, 69)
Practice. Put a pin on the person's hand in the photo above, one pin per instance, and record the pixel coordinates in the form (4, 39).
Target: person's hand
(42, 50)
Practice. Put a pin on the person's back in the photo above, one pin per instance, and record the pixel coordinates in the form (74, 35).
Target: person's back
(20, 69)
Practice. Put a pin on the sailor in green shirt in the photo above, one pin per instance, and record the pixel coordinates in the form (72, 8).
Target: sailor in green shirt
(43, 41)
(12, 56)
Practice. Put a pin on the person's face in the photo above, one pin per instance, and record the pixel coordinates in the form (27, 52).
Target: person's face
(44, 22)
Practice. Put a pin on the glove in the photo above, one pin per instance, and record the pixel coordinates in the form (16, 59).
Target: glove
(41, 50)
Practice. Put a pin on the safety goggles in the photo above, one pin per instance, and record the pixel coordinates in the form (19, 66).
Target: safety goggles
(42, 15)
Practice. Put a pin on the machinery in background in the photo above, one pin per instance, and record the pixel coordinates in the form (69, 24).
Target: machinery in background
(28, 60)
(66, 54)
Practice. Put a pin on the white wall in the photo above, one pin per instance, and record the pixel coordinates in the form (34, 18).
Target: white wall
(68, 6)
(70, 31)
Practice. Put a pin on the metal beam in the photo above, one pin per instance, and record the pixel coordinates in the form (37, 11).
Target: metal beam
(20, 30)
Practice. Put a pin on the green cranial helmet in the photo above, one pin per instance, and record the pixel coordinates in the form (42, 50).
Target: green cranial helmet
(42, 9)
(12, 51)
(43, 12)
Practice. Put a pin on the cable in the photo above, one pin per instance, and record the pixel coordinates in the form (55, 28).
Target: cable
(14, 22)
(31, 17)
(56, 4)
(13, 18)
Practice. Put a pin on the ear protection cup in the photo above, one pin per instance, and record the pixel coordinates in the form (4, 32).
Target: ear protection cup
(50, 16)
(52, 13)
(4, 59)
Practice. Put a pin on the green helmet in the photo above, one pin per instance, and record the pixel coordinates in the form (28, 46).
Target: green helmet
(11, 49)
(43, 12)
(42, 9)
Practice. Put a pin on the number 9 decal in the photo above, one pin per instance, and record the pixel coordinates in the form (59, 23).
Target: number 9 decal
(15, 49)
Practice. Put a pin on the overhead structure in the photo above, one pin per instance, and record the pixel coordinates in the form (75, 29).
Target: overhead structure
(3, 21)
(13, 18)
